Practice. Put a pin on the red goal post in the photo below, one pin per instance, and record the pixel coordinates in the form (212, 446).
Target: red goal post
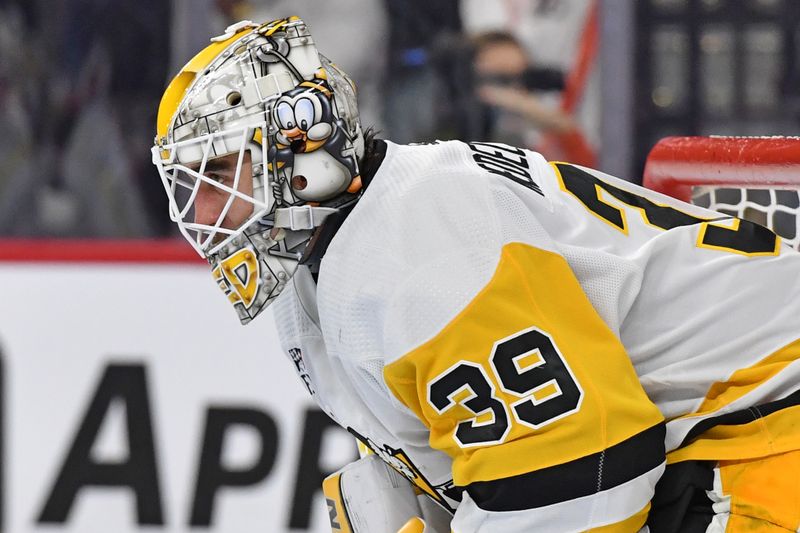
(757, 178)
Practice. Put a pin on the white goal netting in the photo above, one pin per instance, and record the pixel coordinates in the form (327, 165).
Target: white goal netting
(777, 209)
(756, 178)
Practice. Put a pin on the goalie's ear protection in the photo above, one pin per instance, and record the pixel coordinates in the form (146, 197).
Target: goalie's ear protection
(311, 143)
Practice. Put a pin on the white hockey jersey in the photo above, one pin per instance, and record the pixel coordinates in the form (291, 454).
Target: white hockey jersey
(531, 342)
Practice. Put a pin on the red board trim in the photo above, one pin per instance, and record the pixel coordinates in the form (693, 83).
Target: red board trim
(158, 251)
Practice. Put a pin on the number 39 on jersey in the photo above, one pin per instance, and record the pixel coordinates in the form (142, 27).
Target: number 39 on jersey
(526, 365)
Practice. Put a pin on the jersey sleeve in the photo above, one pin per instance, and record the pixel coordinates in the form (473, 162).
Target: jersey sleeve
(535, 400)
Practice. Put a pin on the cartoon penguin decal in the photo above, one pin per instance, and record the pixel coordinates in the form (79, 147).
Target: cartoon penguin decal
(305, 122)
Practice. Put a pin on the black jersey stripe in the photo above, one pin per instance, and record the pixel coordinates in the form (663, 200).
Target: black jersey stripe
(743, 416)
(582, 477)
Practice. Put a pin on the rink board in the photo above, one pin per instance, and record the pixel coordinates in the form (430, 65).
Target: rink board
(133, 400)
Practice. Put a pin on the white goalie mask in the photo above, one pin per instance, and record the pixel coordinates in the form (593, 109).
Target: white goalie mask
(258, 143)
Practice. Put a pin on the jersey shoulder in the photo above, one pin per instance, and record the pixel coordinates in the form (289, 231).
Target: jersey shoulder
(427, 235)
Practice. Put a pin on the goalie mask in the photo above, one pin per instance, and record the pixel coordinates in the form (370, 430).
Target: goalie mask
(258, 143)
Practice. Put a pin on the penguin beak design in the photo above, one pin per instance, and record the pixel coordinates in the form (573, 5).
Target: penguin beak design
(301, 120)
(296, 138)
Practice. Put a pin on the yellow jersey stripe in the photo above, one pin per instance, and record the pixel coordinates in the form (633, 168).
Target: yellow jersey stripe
(534, 296)
(754, 432)
(745, 380)
(763, 493)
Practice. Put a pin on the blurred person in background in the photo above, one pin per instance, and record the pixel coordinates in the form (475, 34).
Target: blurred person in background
(87, 80)
(519, 99)
(111, 73)
(549, 30)
(18, 96)
(536, 42)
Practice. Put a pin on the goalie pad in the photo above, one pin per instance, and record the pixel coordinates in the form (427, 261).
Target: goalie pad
(368, 496)
(415, 525)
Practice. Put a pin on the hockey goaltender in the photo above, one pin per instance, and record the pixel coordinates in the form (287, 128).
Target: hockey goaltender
(521, 345)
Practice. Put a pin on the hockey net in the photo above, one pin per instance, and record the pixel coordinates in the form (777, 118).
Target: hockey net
(756, 178)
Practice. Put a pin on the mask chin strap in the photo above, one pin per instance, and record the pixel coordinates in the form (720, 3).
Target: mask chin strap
(302, 217)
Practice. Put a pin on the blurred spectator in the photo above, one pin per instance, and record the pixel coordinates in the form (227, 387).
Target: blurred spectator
(554, 35)
(115, 73)
(17, 97)
(78, 108)
(518, 100)
(548, 29)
